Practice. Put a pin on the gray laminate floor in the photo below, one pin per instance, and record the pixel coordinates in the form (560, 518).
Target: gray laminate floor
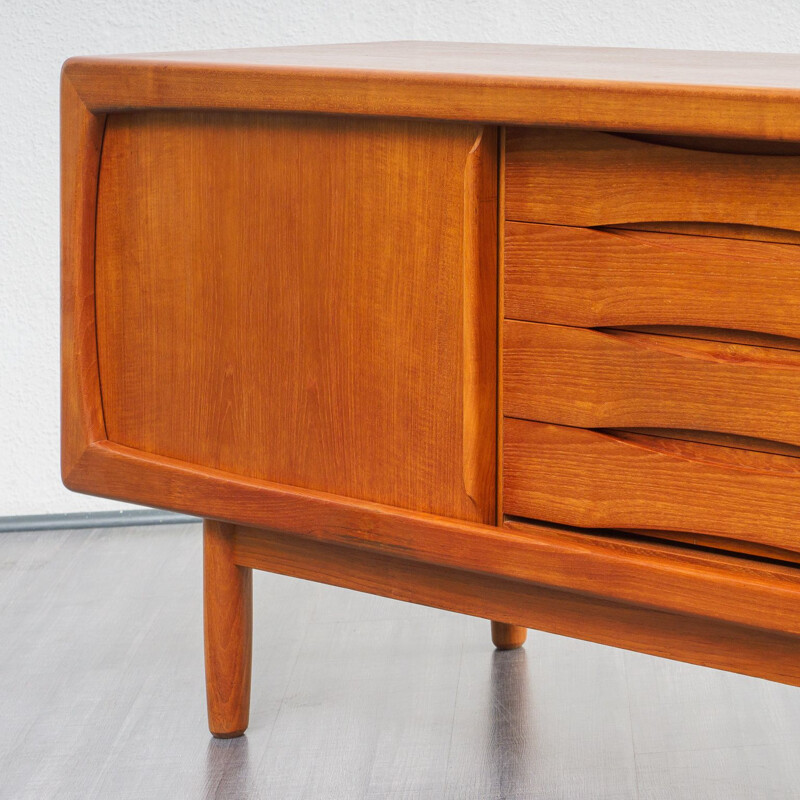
(101, 695)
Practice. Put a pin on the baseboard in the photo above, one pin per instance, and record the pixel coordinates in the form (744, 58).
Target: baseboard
(91, 519)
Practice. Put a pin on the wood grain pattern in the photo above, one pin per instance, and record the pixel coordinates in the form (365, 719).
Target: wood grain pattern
(587, 178)
(718, 230)
(660, 576)
(686, 638)
(228, 625)
(287, 298)
(479, 324)
(723, 439)
(502, 633)
(716, 94)
(734, 336)
(589, 278)
(721, 544)
(620, 379)
(598, 480)
(501, 282)
(720, 144)
(81, 407)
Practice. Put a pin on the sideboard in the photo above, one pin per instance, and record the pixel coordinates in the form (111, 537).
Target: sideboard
(508, 330)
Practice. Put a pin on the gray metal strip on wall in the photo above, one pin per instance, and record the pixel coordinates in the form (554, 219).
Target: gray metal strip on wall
(92, 519)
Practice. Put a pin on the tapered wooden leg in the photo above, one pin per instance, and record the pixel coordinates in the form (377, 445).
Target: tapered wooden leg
(228, 618)
(508, 637)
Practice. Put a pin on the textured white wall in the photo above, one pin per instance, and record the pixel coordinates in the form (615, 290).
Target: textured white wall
(36, 36)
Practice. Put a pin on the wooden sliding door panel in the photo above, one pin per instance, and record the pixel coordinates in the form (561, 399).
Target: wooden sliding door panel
(591, 278)
(592, 479)
(303, 299)
(589, 178)
(622, 379)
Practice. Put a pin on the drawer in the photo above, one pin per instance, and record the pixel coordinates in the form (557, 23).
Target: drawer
(591, 479)
(613, 379)
(567, 177)
(585, 277)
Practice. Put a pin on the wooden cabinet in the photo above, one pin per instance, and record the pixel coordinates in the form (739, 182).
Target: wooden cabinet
(510, 331)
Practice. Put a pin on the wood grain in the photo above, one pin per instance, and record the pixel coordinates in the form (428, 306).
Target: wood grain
(598, 480)
(501, 291)
(588, 178)
(720, 144)
(658, 91)
(479, 324)
(659, 576)
(81, 407)
(723, 439)
(620, 379)
(734, 335)
(718, 230)
(590, 278)
(501, 632)
(721, 544)
(291, 298)
(228, 625)
(686, 638)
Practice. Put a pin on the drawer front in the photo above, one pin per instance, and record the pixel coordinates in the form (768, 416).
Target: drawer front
(614, 379)
(590, 479)
(585, 178)
(588, 278)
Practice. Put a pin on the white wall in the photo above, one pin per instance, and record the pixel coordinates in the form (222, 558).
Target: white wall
(36, 36)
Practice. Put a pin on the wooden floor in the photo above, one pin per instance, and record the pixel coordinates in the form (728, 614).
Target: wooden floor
(101, 695)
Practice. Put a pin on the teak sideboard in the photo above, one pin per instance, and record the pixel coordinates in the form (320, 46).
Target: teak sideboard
(508, 330)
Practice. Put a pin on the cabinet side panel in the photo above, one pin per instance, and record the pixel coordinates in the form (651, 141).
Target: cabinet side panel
(284, 297)
(81, 407)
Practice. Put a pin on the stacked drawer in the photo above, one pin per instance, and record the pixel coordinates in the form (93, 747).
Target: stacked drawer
(651, 379)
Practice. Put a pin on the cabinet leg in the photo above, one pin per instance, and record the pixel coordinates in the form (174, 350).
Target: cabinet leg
(228, 620)
(508, 637)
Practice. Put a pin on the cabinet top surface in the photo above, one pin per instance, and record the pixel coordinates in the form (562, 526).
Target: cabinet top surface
(499, 62)
(717, 93)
